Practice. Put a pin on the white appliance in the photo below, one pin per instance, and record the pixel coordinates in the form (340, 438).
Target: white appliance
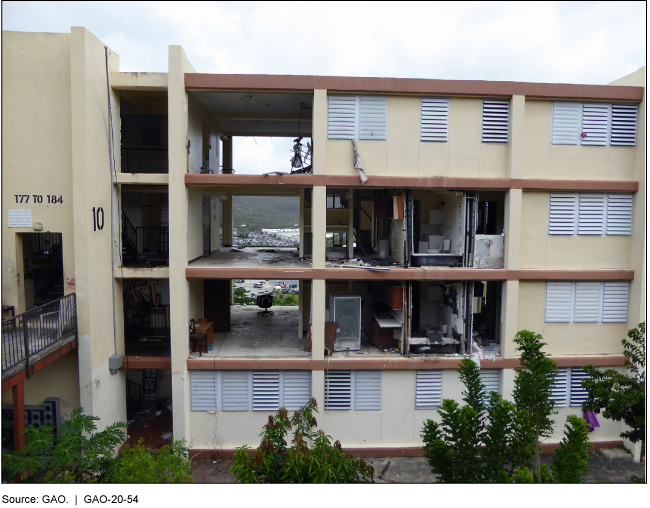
(345, 309)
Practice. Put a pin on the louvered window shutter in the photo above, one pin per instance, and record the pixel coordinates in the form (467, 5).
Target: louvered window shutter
(341, 116)
(562, 214)
(591, 214)
(296, 389)
(559, 296)
(578, 393)
(491, 379)
(204, 390)
(367, 390)
(615, 300)
(595, 123)
(434, 119)
(235, 396)
(338, 390)
(619, 214)
(567, 121)
(587, 302)
(495, 121)
(428, 389)
(266, 391)
(623, 124)
(373, 116)
(560, 389)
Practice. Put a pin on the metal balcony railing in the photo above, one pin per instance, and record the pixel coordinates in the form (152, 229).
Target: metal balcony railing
(31, 332)
(145, 160)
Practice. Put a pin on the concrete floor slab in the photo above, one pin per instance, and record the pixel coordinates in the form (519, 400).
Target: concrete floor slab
(254, 335)
(253, 257)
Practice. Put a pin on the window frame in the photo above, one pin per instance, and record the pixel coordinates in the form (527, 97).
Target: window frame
(357, 387)
(214, 379)
(360, 124)
(613, 202)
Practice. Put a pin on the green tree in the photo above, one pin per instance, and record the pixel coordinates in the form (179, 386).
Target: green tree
(452, 447)
(78, 455)
(571, 459)
(532, 395)
(81, 455)
(275, 461)
(621, 397)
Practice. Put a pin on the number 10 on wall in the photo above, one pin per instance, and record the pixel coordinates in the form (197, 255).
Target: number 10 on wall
(98, 218)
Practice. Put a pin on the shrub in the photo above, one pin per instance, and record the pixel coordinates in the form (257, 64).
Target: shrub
(276, 462)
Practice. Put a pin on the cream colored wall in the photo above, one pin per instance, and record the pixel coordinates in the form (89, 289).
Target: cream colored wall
(195, 222)
(180, 241)
(59, 379)
(565, 252)
(196, 114)
(566, 339)
(397, 424)
(101, 393)
(196, 298)
(638, 249)
(36, 147)
(402, 154)
(563, 162)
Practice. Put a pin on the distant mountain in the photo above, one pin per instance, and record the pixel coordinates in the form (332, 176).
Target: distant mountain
(259, 212)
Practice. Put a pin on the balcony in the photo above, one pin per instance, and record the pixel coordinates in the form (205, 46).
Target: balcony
(33, 335)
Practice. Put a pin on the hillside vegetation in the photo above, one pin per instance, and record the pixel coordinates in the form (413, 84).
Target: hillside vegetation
(259, 212)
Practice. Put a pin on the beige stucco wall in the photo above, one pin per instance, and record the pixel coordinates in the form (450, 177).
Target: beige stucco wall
(564, 252)
(59, 379)
(398, 424)
(197, 114)
(566, 339)
(101, 393)
(36, 147)
(402, 154)
(179, 245)
(543, 160)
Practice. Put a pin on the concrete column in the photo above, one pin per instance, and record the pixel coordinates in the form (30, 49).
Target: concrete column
(318, 226)
(638, 252)
(227, 221)
(516, 143)
(351, 227)
(319, 132)
(318, 392)
(512, 249)
(227, 154)
(102, 394)
(178, 234)
(18, 403)
(509, 324)
(301, 226)
(511, 262)
(317, 319)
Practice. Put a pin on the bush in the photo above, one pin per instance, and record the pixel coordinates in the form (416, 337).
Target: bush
(72, 458)
(492, 440)
(275, 462)
(571, 459)
(140, 465)
(80, 455)
(621, 397)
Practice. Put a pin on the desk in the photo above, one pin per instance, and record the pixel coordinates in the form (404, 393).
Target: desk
(205, 327)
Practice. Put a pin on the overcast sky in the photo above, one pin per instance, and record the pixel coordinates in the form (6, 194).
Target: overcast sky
(554, 42)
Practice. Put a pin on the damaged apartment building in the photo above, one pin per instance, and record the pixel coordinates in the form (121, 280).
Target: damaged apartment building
(436, 219)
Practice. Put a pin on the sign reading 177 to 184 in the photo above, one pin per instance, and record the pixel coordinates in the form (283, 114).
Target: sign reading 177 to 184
(38, 199)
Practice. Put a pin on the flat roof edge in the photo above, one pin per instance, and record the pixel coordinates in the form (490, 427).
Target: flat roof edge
(412, 86)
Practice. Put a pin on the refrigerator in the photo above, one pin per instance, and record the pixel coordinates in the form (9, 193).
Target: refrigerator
(345, 309)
